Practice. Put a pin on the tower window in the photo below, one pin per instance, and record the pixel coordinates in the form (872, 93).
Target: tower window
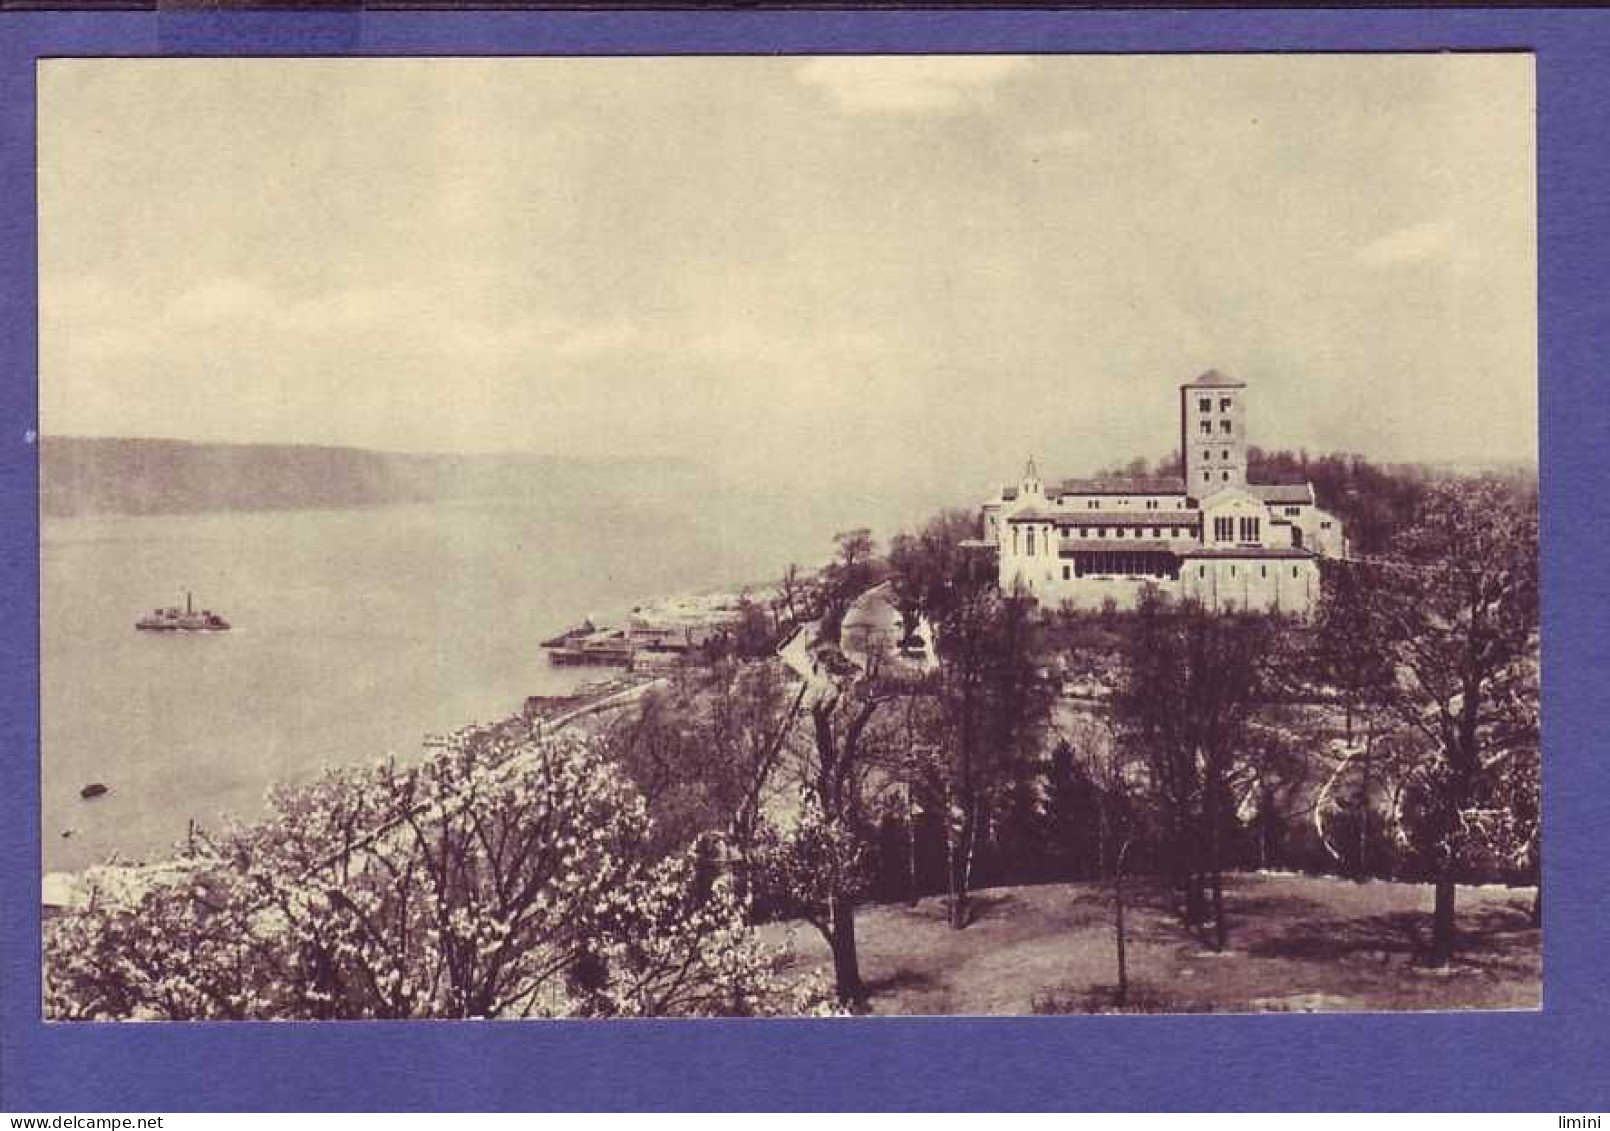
(1224, 426)
(1207, 453)
(1224, 404)
(1206, 475)
(1227, 455)
(1225, 476)
(1157, 532)
(1204, 404)
(1223, 529)
(1249, 529)
(1207, 427)
(1093, 504)
(1067, 573)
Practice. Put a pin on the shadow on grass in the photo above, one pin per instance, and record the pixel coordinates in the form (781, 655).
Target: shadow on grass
(989, 904)
(900, 980)
(1397, 934)
(1246, 908)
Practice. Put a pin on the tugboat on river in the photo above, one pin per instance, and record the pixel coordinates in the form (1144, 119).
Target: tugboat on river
(187, 619)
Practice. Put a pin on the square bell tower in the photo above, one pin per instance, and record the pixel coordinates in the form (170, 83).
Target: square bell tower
(1213, 433)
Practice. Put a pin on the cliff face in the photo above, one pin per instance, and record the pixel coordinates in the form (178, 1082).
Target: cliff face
(82, 475)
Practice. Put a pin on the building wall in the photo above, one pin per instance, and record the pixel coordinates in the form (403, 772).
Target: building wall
(1289, 585)
(990, 522)
(1077, 501)
(1322, 533)
(1247, 520)
(1052, 582)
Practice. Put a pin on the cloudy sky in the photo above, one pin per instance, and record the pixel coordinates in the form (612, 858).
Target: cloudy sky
(882, 269)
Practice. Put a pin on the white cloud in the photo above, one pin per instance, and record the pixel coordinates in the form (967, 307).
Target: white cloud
(909, 84)
(614, 336)
(219, 301)
(1413, 244)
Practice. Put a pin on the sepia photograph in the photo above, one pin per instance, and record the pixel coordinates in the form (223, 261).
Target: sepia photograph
(788, 536)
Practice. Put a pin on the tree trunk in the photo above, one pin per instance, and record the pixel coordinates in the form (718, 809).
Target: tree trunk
(958, 892)
(1187, 879)
(1118, 905)
(1221, 931)
(1102, 834)
(1216, 864)
(961, 872)
(911, 853)
(1442, 930)
(846, 964)
(1195, 901)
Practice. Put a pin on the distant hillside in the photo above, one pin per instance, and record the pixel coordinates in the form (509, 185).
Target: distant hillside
(83, 475)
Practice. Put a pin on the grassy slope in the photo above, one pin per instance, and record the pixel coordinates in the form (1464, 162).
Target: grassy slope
(1297, 943)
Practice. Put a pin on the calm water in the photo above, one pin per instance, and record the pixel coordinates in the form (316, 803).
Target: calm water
(356, 632)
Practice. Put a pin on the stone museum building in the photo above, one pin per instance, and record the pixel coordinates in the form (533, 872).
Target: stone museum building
(1211, 535)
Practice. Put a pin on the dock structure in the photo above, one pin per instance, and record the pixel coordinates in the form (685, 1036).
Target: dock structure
(593, 654)
(655, 636)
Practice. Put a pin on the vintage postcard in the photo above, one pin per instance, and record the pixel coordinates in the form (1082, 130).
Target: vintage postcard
(757, 536)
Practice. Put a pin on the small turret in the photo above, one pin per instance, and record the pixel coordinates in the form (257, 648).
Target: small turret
(1030, 486)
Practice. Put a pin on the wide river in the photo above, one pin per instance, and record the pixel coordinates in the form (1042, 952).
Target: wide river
(356, 632)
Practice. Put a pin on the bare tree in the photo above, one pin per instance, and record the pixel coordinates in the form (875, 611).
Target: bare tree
(1120, 817)
(854, 569)
(823, 861)
(1193, 679)
(746, 719)
(992, 700)
(1458, 617)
